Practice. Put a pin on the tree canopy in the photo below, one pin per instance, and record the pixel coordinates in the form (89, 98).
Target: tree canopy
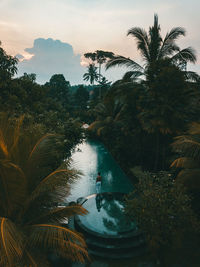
(8, 65)
(154, 48)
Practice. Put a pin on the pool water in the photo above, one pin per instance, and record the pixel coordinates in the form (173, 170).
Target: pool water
(106, 215)
(91, 157)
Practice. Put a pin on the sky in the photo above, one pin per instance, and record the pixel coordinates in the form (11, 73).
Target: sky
(51, 36)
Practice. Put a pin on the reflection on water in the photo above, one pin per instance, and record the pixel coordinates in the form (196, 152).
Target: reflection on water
(90, 158)
(98, 201)
(107, 216)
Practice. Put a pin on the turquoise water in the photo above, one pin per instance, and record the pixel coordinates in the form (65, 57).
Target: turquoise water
(106, 215)
(90, 158)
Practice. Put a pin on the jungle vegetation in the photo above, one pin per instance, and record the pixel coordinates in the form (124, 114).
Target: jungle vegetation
(34, 185)
(148, 118)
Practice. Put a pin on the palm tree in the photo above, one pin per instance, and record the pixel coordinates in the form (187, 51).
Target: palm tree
(154, 48)
(163, 61)
(101, 57)
(110, 116)
(31, 220)
(91, 75)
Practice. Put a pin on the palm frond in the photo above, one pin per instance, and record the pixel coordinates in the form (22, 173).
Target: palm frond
(33, 258)
(3, 145)
(58, 179)
(167, 50)
(132, 75)
(187, 145)
(31, 262)
(13, 185)
(194, 128)
(185, 55)
(191, 76)
(60, 239)
(123, 61)
(86, 77)
(174, 34)
(100, 109)
(11, 242)
(57, 214)
(42, 159)
(73, 251)
(95, 125)
(38, 145)
(142, 41)
(101, 130)
(92, 74)
(185, 162)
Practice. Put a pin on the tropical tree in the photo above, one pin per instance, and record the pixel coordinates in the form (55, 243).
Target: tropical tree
(163, 110)
(7, 65)
(154, 48)
(28, 77)
(100, 90)
(164, 101)
(91, 75)
(59, 88)
(100, 57)
(108, 118)
(81, 97)
(31, 200)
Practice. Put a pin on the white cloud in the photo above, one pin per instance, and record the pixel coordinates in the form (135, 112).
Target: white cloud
(52, 57)
(91, 25)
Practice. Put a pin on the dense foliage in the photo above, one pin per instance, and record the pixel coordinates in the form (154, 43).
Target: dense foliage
(33, 189)
(138, 119)
(48, 105)
(162, 210)
(154, 103)
(34, 179)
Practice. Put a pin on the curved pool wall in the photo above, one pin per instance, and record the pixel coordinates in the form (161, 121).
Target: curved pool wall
(92, 157)
(106, 217)
(108, 231)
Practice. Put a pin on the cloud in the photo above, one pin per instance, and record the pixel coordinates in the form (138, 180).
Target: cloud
(51, 57)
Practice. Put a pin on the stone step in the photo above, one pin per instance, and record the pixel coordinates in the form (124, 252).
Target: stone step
(119, 254)
(93, 242)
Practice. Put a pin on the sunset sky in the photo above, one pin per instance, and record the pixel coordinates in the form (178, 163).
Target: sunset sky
(81, 26)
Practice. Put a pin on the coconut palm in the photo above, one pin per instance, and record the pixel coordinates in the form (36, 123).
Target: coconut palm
(109, 116)
(31, 220)
(91, 75)
(154, 48)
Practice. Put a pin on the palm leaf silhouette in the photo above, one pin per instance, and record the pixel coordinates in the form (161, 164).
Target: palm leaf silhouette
(30, 192)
